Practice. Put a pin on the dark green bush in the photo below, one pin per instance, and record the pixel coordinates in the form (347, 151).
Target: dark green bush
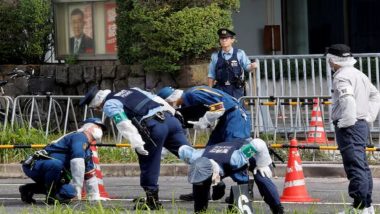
(25, 31)
(162, 35)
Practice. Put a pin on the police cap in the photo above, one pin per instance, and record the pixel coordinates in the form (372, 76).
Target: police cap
(340, 50)
(200, 170)
(96, 121)
(224, 33)
(89, 96)
(165, 92)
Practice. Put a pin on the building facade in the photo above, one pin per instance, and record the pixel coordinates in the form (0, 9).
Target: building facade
(308, 26)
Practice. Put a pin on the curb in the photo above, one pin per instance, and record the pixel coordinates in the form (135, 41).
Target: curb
(128, 170)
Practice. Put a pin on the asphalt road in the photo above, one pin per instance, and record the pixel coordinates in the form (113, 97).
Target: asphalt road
(332, 193)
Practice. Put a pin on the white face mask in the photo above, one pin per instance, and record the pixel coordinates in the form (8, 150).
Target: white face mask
(97, 134)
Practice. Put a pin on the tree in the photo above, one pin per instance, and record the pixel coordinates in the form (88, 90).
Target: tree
(25, 31)
(163, 35)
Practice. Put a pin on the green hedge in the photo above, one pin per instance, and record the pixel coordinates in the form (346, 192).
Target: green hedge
(25, 30)
(164, 35)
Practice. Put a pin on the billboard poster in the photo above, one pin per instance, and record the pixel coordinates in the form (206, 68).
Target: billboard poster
(81, 39)
(110, 24)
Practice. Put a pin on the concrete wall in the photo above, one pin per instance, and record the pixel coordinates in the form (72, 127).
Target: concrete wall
(77, 79)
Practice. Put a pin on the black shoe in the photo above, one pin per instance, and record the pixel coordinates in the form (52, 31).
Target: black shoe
(56, 200)
(218, 191)
(150, 203)
(190, 197)
(278, 209)
(228, 200)
(187, 197)
(27, 194)
(140, 204)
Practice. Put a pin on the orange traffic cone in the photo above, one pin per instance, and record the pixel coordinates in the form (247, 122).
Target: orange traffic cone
(98, 173)
(294, 187)
(316, 132)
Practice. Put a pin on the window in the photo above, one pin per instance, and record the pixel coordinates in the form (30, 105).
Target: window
(86, 29)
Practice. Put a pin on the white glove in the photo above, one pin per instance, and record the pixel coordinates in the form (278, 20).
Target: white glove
(349, 111)
(208, 119)
(200, 124)
(77, 169)
(262, 156)
(264, 171)
(129, 131)
(141, 150)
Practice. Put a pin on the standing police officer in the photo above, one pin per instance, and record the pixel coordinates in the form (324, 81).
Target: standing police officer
(227, 66)
(351, 89)
(61, 167)
(141, 116)
(210, 165)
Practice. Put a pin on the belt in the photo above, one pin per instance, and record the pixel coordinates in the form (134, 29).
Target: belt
(335, 122)
(160, 116)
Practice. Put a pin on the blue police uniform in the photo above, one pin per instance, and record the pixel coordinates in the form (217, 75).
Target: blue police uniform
(233, 126)
(49, 171)
(227, 68)
(165, 131)
(233, 164)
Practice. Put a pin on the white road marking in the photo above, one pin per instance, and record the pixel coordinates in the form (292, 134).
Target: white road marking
(166, 200)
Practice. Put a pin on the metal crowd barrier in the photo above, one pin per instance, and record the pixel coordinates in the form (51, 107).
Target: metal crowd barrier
(54, 113)
(296, 77)
(301, 76)
(285, 114)
(44, 112)
(6, 103)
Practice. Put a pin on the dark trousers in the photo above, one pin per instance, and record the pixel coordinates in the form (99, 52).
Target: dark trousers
(201, 192)
(231, 90)
(352, 142)
(267, 188)
(48, 173)
(169, 134)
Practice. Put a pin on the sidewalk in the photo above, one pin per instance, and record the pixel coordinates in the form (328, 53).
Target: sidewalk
(314, 170)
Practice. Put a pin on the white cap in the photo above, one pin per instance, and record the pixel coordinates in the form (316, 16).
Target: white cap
(341, 61)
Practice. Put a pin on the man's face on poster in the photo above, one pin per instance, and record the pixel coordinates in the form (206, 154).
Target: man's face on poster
(77, 23)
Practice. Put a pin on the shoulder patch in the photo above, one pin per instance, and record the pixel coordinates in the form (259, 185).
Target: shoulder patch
(345, 91)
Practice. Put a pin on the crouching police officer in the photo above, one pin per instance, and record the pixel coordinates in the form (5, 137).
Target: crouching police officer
(210, 165)
(226, 115)
(60, 169)
(141, 116)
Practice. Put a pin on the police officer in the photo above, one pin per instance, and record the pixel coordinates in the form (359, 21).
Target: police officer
(134, 108)
(210, 165)
(351, 89)
(61, 167)
(226, 115)
(227, 66)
